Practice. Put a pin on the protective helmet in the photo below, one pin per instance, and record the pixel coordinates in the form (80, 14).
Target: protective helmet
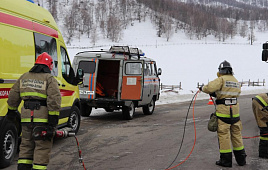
(225, 68)
(45, 59)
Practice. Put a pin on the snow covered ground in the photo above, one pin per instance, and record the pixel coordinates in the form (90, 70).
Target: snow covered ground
(190, 61)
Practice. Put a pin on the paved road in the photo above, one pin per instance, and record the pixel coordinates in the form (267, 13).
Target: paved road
(152, 142)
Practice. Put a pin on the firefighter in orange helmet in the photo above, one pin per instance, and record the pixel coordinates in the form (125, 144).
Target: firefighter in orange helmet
(41, 95)
(226, 89)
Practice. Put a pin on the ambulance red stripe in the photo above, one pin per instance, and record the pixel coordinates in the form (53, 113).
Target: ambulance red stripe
(4, 92)
(23, 23)
(64, 93)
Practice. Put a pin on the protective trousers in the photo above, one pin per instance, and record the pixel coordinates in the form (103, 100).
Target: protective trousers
(263, 145)
(230, 135)
(34, 154)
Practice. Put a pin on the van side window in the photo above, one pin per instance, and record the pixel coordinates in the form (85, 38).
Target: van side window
(87, 66)
(153, 69)
(66, 69)
(146, 73)
(47, 44)
(133, 68)
(149, 69)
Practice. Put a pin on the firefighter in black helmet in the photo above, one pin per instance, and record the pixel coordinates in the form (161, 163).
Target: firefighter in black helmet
(226, 89)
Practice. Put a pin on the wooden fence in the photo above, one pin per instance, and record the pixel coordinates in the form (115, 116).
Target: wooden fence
(245, 83)
(172, 88)
(175, 88)
(253, 83)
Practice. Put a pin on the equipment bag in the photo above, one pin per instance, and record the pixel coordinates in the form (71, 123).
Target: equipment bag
(213, 123)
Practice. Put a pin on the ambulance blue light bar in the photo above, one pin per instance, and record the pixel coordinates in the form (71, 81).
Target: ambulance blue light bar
(31, 1)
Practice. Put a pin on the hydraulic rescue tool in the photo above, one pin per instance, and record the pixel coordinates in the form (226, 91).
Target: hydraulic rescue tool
(42, 133)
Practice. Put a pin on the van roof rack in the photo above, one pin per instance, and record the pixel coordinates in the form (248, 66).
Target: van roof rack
(126, 50)
(95, 51)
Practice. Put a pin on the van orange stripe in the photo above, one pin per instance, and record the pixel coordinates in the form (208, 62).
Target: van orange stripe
(91, 83)
(23, 23)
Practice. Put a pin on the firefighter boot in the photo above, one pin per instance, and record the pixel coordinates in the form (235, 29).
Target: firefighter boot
(263, 149)
(240, 157)
(225, 160)
(25, 166)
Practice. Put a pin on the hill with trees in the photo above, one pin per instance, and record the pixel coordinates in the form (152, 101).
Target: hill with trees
(196, 18)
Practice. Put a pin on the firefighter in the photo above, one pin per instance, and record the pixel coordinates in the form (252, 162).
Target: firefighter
(226, 89)
(40, 92)
(259, 107)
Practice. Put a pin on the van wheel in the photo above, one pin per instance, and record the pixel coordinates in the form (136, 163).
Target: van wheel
(128, 111)
(74, 119)
(8, 144)
(149, 108)
(85, 110)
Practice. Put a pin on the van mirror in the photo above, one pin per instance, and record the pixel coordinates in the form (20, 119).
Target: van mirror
(159, 72)
(79, 75)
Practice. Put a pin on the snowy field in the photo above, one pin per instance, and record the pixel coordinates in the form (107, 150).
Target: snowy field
(191, 61)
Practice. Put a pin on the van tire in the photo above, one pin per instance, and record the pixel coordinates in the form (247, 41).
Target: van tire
(128, 111)
(85, 110)
(74, 119)
(8, 135)
(109, 110)
(149, 108)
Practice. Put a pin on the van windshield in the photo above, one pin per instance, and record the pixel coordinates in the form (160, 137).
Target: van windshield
(87, 66)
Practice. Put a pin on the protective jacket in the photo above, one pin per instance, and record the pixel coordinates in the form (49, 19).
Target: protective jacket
(37, 85)
(260, 106)
(225, 86)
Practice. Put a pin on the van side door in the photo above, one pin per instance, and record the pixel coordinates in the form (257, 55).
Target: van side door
(132, 81)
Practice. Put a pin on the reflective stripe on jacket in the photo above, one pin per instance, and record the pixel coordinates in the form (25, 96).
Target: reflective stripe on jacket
(39, 86)
(225, 86)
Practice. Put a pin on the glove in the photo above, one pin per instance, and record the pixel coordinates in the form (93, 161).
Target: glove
(11, 115)
(200, 88)
(213, 94)
(50, 132)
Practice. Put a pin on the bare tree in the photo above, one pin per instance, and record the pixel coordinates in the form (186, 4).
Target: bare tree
(243, 30)
(52, 4)
(159, 25)
(168, 29)
(71, 20)
(94, 35)
(114, 29)
(251, 36)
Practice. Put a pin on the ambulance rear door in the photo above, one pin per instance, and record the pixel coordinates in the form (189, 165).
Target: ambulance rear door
(132, 81)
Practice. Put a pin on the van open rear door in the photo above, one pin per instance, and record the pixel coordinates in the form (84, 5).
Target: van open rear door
(88, 89)
(132, 81)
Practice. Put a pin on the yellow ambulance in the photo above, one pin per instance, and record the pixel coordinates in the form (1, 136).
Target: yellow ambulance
(26, 31)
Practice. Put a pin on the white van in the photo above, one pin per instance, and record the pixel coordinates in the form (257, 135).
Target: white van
(119, 78)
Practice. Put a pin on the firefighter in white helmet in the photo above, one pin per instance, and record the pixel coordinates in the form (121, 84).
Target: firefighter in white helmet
(41, 95)
(260, 106)
(226, 89)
